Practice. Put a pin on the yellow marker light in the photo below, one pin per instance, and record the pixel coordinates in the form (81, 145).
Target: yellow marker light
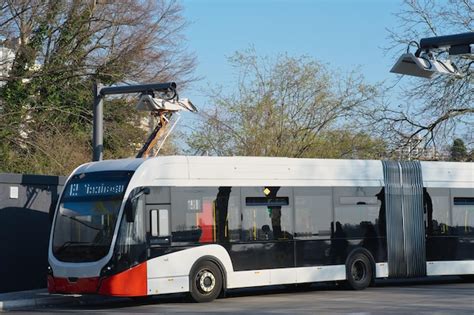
(266, 191)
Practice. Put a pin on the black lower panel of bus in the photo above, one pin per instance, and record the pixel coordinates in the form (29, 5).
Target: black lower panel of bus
(335, 251)
(302, 253)
(291, 253)
(307, 253)
(261, 255)
(449, 248)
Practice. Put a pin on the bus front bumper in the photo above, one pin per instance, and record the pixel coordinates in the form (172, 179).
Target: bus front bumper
(73, 285)
(131, 282)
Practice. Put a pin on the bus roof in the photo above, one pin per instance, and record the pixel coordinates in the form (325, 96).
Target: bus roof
(274, 171)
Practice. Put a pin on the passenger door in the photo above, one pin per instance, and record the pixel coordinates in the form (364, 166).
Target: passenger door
(157, 221)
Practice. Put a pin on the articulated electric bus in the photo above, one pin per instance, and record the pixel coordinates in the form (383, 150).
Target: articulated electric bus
(204, 225)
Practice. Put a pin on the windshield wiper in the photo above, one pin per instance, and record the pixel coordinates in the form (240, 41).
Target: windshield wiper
(83, 223)
(67, 244)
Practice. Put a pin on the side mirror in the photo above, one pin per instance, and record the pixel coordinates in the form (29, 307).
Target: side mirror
(131, 203)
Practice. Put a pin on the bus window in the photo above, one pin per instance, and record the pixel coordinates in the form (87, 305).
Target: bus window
(357, 211)
(130, 248)
(204, 215)
(463, 215)
(313, 212)
(231, 217)
(438, 207)
(159, 222)
(266, 214)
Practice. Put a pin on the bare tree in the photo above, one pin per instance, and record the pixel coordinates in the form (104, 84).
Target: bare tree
(286, 107)
(431, 112)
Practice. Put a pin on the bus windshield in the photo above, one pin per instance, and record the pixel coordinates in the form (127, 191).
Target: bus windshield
(87, 216)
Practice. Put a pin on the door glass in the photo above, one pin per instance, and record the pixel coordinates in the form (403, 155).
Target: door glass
(159, 221)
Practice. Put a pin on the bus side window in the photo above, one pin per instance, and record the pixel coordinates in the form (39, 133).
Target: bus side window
(205, 214)
(313, 212)
(267, 214)
(463, 215)
(438, 211)
(357, 211)
(159, 219)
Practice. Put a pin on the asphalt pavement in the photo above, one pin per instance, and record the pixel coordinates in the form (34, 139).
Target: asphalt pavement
(438, 296)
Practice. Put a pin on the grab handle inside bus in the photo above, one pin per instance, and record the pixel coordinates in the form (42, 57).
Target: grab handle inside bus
(131, 203)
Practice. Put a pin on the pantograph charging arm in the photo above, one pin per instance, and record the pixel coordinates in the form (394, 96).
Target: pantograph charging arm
(156, 135)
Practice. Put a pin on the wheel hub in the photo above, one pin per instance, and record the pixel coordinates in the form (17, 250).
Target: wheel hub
(358, 271)
(206, 281)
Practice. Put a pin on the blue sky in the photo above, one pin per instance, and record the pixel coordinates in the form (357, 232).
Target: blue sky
(342, 33)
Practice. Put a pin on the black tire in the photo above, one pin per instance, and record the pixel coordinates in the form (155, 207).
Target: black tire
(206, 282)
(359, 271)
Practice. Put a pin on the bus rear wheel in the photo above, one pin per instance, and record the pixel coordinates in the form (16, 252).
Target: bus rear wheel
(206, 282)
(358, 271)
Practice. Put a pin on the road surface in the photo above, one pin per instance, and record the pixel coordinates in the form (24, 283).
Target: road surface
(441, 296)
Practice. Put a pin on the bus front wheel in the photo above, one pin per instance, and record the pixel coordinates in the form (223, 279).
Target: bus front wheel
(206, 282)
(358, 271)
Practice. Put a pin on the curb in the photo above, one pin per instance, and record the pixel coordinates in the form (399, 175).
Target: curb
(22, 303)
(53, 299)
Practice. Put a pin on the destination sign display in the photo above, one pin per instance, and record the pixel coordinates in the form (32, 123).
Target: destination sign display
(95, 189)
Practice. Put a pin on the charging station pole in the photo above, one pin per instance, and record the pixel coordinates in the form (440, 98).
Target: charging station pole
(98, 124)
(99, 92)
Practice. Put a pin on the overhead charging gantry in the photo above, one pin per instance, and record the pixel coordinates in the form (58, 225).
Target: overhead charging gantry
(160, 99)
(426, 62)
